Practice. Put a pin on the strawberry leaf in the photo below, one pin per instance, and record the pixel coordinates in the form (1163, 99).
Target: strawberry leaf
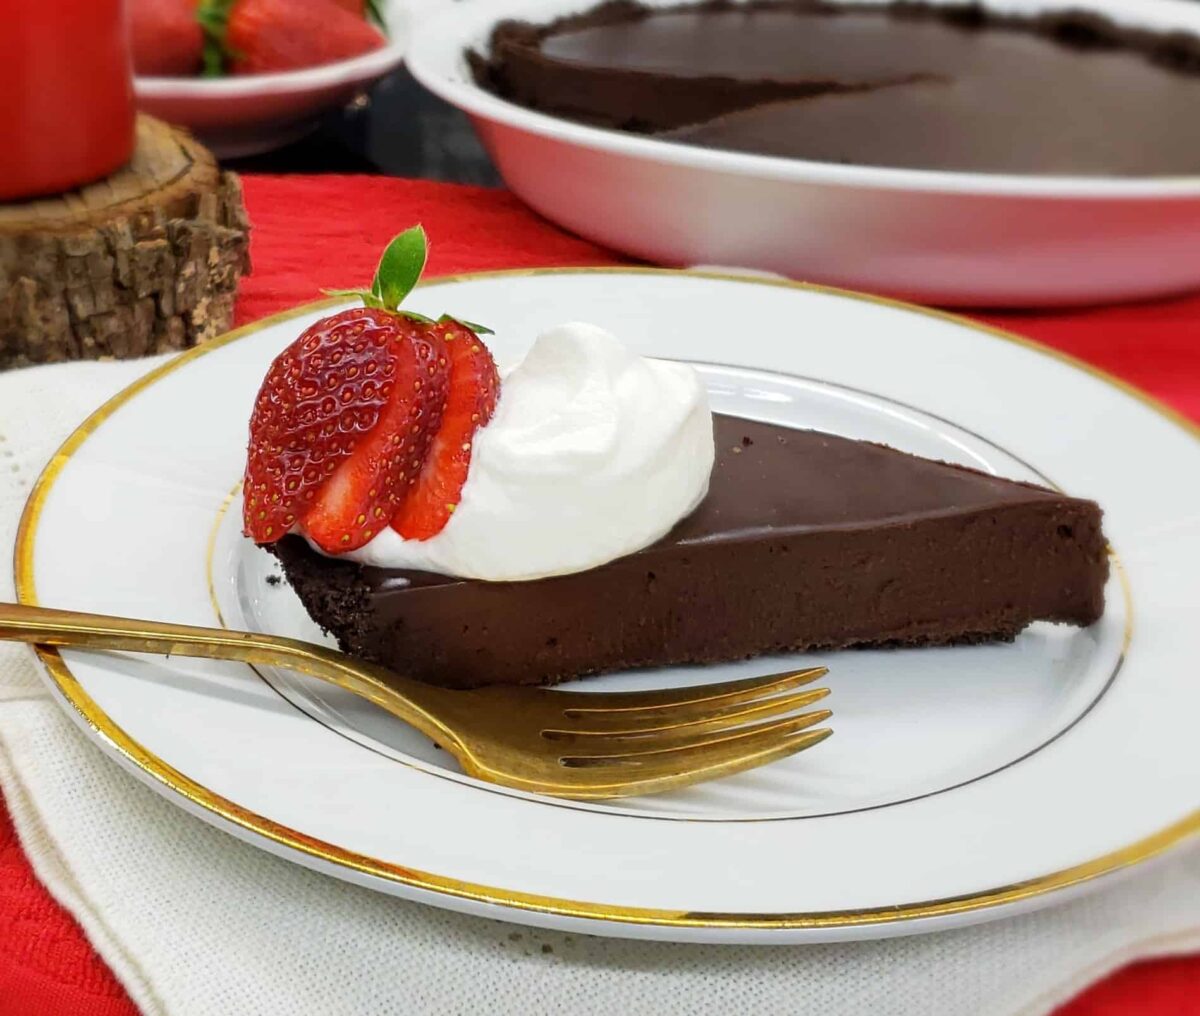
(373, 9)
(398, 272)
(368, 299)
(213, 16)
(400, 267)
(477, 329)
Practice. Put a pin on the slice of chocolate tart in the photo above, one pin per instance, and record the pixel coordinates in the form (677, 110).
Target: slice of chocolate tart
(805, 541)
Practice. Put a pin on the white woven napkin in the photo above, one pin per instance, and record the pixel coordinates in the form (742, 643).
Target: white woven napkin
(196, 923)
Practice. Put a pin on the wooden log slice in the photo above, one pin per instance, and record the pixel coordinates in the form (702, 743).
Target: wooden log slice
(145, 261)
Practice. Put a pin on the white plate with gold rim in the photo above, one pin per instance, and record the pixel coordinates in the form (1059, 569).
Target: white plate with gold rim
(963, 783)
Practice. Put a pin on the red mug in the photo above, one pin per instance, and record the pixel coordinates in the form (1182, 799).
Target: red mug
(66, 95)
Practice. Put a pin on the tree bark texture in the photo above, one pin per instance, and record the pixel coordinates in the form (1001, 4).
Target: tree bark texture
(145, 261)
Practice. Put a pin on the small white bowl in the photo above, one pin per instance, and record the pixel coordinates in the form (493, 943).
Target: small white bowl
(238, 116)
(942, 237)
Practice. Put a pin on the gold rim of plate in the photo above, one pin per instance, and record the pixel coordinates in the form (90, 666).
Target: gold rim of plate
(331, 854)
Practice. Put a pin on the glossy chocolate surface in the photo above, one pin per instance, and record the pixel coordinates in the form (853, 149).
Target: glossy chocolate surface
(903, 85)
(805, 540)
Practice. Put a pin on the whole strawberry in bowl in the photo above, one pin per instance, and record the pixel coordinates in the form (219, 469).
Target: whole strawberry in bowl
(366, 421)
(246, 76)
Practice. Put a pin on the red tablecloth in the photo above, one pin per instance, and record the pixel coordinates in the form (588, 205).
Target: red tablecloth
(312, 232)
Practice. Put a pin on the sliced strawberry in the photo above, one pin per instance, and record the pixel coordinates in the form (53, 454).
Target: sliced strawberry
(343, 412)
(367, 419)
(474, 388)
(369, 487)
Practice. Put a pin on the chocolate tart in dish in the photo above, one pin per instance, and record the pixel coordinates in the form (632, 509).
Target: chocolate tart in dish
(588, 512)
(956, 86)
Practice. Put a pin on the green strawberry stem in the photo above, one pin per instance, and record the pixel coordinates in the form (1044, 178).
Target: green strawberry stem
(213, 16)
(374, 12)
(398, 273)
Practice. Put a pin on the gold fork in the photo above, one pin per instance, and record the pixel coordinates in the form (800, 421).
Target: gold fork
(561, 743)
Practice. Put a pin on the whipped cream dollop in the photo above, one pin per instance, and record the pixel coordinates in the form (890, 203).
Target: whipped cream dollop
(593, 452)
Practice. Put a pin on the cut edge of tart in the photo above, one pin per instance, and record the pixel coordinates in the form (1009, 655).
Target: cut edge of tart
(886, 549)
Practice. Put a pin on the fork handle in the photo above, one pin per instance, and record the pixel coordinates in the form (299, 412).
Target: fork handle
(74, 629)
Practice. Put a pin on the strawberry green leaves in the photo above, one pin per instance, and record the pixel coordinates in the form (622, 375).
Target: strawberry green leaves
(398, 273)
(213, 16)
(477, 329)
(373, 9)
(400, 267)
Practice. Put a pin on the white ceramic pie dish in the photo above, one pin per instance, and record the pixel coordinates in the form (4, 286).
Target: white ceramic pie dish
(944, 237)
(239, 116)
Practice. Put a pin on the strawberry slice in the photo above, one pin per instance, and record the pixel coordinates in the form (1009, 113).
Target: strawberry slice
(344, 414)
(366, 490)
(470, 402)
(368, 417)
